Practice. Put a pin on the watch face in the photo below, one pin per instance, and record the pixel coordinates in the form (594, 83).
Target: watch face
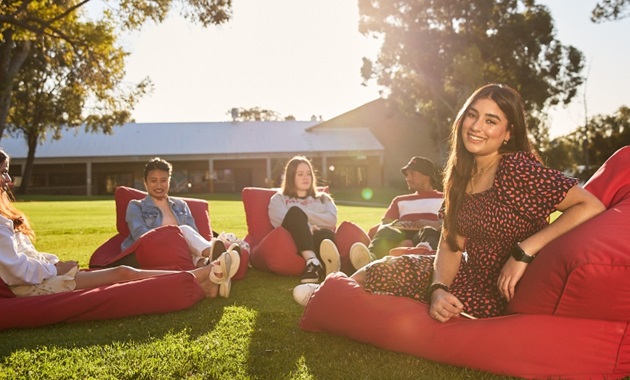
(520, 255)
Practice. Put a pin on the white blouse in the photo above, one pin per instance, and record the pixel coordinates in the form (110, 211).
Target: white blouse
(20, 262)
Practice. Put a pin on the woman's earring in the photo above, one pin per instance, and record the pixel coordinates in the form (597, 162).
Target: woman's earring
(505, 142)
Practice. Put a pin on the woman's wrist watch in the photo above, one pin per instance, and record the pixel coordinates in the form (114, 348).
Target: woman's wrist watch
(519, 255)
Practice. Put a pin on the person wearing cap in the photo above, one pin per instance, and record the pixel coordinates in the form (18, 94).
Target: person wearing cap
(410, 219)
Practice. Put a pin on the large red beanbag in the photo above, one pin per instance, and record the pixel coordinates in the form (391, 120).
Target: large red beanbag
(161, 248)
(273, 249)
(147, 296)
(569, 317)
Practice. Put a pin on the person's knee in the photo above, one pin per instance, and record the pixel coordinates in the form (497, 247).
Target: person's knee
(429, 235)
(125, 273)
(295, 215)
(186, 228)
(359, 276)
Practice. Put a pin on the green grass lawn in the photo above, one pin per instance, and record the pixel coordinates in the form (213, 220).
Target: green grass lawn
(252, 335)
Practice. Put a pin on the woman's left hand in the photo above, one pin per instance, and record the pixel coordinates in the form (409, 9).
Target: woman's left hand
(64, 267)
(510, 275)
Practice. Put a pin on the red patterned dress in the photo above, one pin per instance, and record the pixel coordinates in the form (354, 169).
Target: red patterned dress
(523, 195)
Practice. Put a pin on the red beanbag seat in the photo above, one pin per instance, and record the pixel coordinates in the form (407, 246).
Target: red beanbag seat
(161, 248)
(273, 249)
(159, 294)
(531, 346)
(570, 316)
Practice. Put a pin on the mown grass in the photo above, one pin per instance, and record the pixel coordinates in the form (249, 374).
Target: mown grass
(252, 335)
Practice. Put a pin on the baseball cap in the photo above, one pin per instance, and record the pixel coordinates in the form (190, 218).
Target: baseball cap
(422, 165)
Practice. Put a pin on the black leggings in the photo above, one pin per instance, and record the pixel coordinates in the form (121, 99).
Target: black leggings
(388, 237)
(296, 222)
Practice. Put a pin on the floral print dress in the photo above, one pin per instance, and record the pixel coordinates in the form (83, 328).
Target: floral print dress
(523, 195)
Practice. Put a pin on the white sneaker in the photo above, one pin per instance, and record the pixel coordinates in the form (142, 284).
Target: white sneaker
(330, 256)
(360, 255)
(302, 293)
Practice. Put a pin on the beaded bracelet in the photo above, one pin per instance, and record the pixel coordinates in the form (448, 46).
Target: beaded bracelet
(435, 286)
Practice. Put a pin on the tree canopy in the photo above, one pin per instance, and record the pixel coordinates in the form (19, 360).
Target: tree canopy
(434, 54)
(256, 114)
(24, 21)
(610, 10)
(59, 88)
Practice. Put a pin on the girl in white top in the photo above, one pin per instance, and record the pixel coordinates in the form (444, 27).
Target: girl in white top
(309, 216)
(29, 272)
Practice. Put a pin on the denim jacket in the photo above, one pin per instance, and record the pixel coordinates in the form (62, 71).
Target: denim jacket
(143, 215)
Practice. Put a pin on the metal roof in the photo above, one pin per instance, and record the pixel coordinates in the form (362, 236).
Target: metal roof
(200, 138)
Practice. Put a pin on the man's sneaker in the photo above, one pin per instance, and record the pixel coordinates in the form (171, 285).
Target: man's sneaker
(360, 255)
(312, 274)
(302, 293)
(330, 257)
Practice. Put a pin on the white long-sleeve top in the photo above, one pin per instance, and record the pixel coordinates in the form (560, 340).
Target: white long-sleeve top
(20, 262)
(321, 211)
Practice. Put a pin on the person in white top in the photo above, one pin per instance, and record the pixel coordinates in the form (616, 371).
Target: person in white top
(309, 216)
(29, 272)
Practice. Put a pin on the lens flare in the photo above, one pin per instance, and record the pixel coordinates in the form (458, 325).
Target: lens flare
(367, 193)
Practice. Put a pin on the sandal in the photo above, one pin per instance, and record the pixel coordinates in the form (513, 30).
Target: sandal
(229, 262)
(216, 249)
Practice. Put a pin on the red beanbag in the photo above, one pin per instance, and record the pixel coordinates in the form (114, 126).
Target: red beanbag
(158, 294)
(272, 249)
(532, 346)
(256, 204)
(198, 208)
(163, 248)
(277, 253)
(585, 272)
(347, 234)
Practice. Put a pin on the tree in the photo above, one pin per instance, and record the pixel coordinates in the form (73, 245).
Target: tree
(254, 114)
(584, 150)
(58, 88)
(23, 21)
(610, 10)
(434, 54)
(606, 134)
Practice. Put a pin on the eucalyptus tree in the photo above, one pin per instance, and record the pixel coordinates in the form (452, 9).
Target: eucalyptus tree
(22, 22)
(435, 53)
(610, 10)
(60, 88)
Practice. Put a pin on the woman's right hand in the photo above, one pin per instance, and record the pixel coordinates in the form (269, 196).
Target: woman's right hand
(444, 306)
(64, 267)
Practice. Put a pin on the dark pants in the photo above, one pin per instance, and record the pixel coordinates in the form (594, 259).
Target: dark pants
(296, 222)
(387, 237)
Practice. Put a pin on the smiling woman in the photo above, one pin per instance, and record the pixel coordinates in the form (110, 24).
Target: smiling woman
(489, 234)
(158, 209)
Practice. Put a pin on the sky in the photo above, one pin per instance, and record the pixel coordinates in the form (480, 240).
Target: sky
(303, 58)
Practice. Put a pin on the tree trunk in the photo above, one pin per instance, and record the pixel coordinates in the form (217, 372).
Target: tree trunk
(31, 141)
(12, 57)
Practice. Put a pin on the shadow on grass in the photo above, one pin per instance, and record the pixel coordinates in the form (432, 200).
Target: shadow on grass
(253, 334)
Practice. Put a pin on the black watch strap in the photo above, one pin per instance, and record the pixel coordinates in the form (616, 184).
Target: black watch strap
(519, 255)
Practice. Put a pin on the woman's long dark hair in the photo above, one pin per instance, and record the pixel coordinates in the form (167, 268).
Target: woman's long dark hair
(8, 210)
(460, 162)
(288, 182)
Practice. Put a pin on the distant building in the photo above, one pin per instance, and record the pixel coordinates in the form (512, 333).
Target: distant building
(364, 147)
(402, 136)
(207, 157)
